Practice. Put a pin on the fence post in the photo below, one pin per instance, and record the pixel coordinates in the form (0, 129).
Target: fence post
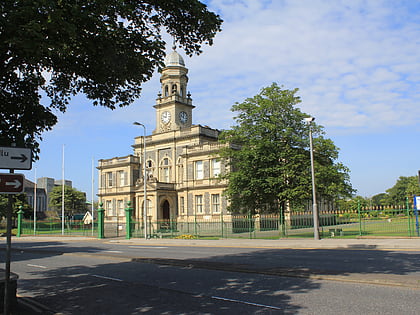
(221, 221)
(19, 219)
(408, 216)
(360, 218)
(128, 212)
(249, 224)
(195, 222)
(281, 222)
(101, 221)
(171, 225)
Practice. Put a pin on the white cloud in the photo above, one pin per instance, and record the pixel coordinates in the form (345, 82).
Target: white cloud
(357, 54)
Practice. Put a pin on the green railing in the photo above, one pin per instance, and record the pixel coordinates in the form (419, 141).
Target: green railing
(54, 226)
(376, 222)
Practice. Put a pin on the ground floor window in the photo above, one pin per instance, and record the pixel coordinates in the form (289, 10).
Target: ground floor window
(182, 205)
(109, 208)
(215, 203)
(199, 204)
(120, 204)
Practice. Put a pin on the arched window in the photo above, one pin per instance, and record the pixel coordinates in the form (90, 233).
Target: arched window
(165, 170)
(174, 89)
(150, 169)
(166, 93)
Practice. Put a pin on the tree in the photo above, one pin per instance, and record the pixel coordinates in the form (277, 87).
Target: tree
(18, 200)
(272, 166)
(403, 188)
(105, 49)
(74, 200)
(379, 199)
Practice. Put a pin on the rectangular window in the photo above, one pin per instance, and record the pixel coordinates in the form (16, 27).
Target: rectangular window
(108, 208)
(103, 180)
(110, 179)
(215, 203)
(215, 167)
(199, 170)
(120, 207)
(122, 178)
(181, 205)
(166, 175)
(199, 204)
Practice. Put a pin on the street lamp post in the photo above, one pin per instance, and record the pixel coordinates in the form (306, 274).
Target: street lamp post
(144, 179)
(309, 120)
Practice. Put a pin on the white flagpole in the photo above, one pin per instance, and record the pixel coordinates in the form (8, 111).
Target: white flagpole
(92, 207)
(62, 196)
(35, 203)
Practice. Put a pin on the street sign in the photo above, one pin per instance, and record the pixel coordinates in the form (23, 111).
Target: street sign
(11, 183)
(15, 158)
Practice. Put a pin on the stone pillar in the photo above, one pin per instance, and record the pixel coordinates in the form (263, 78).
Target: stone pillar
(19, 223)
(128, 212)
(101, 211)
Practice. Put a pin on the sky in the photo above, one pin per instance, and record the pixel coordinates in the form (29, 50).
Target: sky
(356, 65)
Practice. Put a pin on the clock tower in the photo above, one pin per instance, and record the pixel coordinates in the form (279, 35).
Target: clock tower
(174, 103)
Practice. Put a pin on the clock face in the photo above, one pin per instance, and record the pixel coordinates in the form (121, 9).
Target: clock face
(166, 117)
(183, 117)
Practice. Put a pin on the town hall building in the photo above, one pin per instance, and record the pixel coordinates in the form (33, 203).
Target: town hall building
(181, 159)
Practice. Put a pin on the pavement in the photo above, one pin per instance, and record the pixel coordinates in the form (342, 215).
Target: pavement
(410, 279)
(384, 243)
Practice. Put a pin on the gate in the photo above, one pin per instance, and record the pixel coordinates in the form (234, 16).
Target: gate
(114, 229)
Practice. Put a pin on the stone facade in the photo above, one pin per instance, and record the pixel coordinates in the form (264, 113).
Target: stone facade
(182, 165)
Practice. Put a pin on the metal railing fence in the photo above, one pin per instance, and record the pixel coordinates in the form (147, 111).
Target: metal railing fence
(362, 222)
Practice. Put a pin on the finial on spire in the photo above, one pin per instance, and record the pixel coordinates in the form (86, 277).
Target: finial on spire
(174, 44)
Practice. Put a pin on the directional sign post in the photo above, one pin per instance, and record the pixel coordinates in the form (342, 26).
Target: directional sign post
(11, 183)
(11, 158)
(15, 158)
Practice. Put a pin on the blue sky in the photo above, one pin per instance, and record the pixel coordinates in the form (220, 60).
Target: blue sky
(356, 64)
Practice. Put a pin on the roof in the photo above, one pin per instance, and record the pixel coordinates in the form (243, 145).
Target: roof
(174, 59)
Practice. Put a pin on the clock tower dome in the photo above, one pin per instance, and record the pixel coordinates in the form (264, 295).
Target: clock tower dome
(174, 103)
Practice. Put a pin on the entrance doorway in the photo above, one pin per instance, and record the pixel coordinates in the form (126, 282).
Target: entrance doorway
(166, 224)
(166, 214)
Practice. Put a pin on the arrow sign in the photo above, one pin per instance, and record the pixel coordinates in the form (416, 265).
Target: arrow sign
(22, 158)
(15, 184)
(15, 158)
(11, 183)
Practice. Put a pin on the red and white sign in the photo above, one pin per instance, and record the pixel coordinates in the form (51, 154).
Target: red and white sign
(11, 183)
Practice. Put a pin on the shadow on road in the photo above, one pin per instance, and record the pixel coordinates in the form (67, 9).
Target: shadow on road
(247, 282)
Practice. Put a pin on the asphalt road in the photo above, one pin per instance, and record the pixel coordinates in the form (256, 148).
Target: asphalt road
(92, 277)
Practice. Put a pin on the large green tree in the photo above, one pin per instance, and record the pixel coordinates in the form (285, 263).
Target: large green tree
(406, 186)
(74, 200)
(272, 166)
(18, 200)
(104, 49)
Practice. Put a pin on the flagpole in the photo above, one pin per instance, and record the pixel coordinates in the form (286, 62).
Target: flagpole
(92, 207)
(35, 203)
(62, 195)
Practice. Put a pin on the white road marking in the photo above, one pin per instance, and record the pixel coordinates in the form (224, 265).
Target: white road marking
(151, 247)
(108, 278)
(245, 302)
(37, 266)
(113, 251)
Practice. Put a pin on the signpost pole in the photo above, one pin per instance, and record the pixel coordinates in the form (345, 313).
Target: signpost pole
(6, 305)
(11, 158)
(416, 213)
